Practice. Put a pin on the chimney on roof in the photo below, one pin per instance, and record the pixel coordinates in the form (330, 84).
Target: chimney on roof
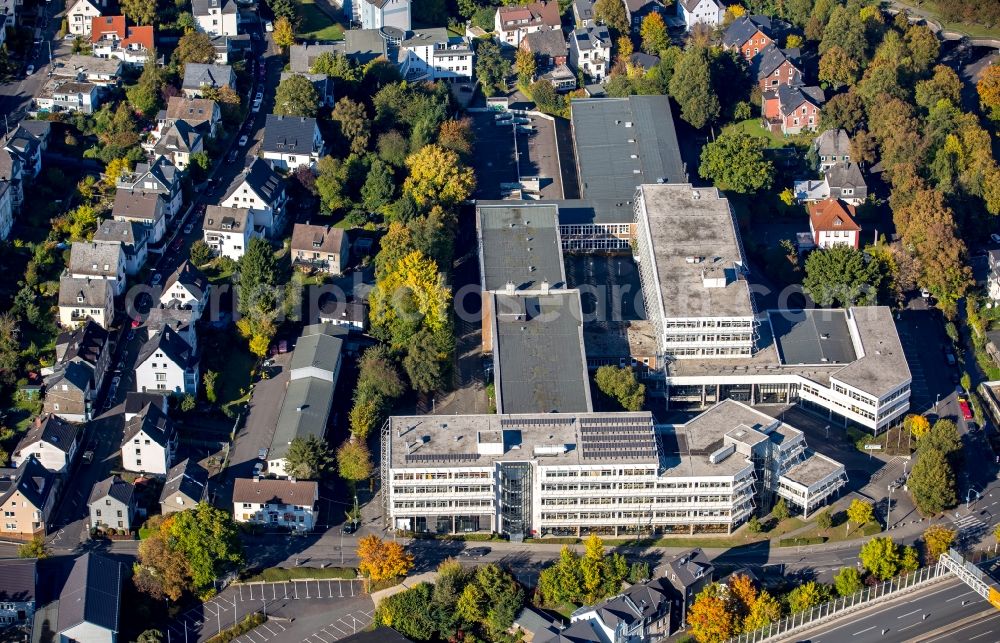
(509, 288)
(545, 286)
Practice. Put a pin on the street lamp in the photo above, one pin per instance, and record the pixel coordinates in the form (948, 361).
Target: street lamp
(968, 494)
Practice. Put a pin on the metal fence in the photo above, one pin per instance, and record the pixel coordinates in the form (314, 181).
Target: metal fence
(842, 605)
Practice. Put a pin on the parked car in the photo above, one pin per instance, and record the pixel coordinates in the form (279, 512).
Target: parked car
(268, 26)
(256, 107)
(135, 324)
(963, 404)
(259, 97)
(995, 237)
(88, 457)
(262, 454)
(950, 358)
(188, 228)
(30, 70)
(349, 527)
(243, 140)
(475, 552)
(157, 278)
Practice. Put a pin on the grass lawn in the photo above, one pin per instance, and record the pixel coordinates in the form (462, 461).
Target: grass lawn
(929, 7)
(316, 25)
(839, 532)
(278, 574)
(754, 127)
(215, 273)
(226, 353)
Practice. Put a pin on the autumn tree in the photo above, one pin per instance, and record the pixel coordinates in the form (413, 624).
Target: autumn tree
(354, 461)
(140, 12)
(653, 32)
(836, 68)
(848, 581)
(709, 619)
(691, 86)
(308, 458)
(161, 571)
(860, 513)
(846, 31)
(612, 13)
(525, 66)
(988, 89)
(735, 161)
(410, 295)
(194, 47)
(917, 425)
(296, 96)
(354, 123)
(843, 111)
(458, 136)
(944, 84)
(381, 560)
(807, 596)
(937, 540)
(884, 559)
(438, 177)
(602, 574)
(284, 33)
(34, 548)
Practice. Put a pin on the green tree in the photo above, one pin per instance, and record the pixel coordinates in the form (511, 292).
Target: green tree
(188, 403)
(354, 123)
(492, 69)
(612, 13)
(691, 86)
(780, 510)
(296, 96)
(638, 572)
(943, 436)
(308, 458)
(140, 12)
(824, 520)
(208, 539)
(848, 581)
(200, 253)
(845, 30)
(546, 99)
(860, 513)
(335, 65)
(194, 47)
(504, 599)
(807, 596)
(209, 380)
(653, 32)
(258, 273)
(380, 186)
(150, 636)
(754, 526)
(330, 186)
(842, 276)
(562, 582)
(425, 362)
(882, 557)
(621, 385)
(34, 548)
(354, 461)
(735, 161)
(186, 22)
(408, 613)
(144, 96)
(923, 46)
(843, 111)
(932, 482)
(943, 85)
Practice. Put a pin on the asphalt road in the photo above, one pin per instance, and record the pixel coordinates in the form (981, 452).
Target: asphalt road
(915, 617)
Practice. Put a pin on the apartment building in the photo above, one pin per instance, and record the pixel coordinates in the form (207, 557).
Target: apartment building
(276, 503)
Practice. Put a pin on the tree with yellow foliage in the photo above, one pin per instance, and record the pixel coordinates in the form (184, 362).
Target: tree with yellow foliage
(709, 619)
(917, 425)
(654, 34)
(382, 560)
(937, 539)
(438, 177)
(284, 34)
(988, 88)
(411, 294)
(115, 170)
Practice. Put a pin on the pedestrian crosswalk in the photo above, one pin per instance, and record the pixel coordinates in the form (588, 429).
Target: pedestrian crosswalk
(969, 522)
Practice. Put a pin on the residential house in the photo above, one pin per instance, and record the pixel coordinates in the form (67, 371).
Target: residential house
(216, 17)
(352, 315)
(98, 261)
(639, 613)
(791, 110)
(305, 409)
(187, 287)
(290, 504)
(89, 344)
(112, 504)
(831, 223)
(61, 95)
(136, 402)
(146, 209)
(89, 601)
(40, 132)
(103, 72)
(27, 495)
(52, 441)
(81, 13)
(200, 75)
(749, 35)
(21, 157)
(318, 247)
(301, 58)
(228, 231)
(688, 573)
(637, 10)
(82, 360)
(182, 321)
(149, 443)
(290, 142)
(200, 113)
(513, 23)
(321, 82)
(186, 485)
(583, 13)
(778, 67)
(590, 51)
(8, 16)
(162, 177)
(166, 363)
(6, 208)
(18, 586)
(706, 12)
(131, 236)
(832, 146)
(375, 14)
(83, 298)
(643, 61)
(549, 47)
(178, 142)
(262, 191)
(110, 37)
(432, 54)
(842, 181)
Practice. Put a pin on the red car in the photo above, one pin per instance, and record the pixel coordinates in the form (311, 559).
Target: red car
(966, 410)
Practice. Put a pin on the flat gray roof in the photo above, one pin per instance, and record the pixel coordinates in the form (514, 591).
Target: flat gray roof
(520, 244)
(882, 368)
(304, 412)
(622, 143)
(581, 211)
(551, 438)
(812, 336)
(693, 237)
(814, 470)
(538, 355)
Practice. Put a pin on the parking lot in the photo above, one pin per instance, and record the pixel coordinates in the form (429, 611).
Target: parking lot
(501, 150)
(922, 336)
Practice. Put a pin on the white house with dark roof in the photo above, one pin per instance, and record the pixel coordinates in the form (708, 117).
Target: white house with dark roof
(162, 177)
(89, 260)
(706, 12)
(200, 113)
(291, 142)
(89, 601)
(180, 320)
(187, 287)
(136, 401)
(216, 17)
(260, 190)
(323, 248)
(590, 51)
(18, 591)
(112, 503)
(641, 612)
(841, 180)
(149, 442)
(376, 14)
(83, 298)
(276, 503)
(185, 486)
(200, 75)
(832, 146)
(513, 23)
(167, 363)
(228, 231)
(148, 209)
(178, 142)
(52, 440)
(131, 236)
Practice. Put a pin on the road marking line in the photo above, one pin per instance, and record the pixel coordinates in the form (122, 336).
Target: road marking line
(908, 614)
(864, 630)
(336, 628)
(978, 635)
(321, 638)
(955, 598)
(920, 622)
(953, 632)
